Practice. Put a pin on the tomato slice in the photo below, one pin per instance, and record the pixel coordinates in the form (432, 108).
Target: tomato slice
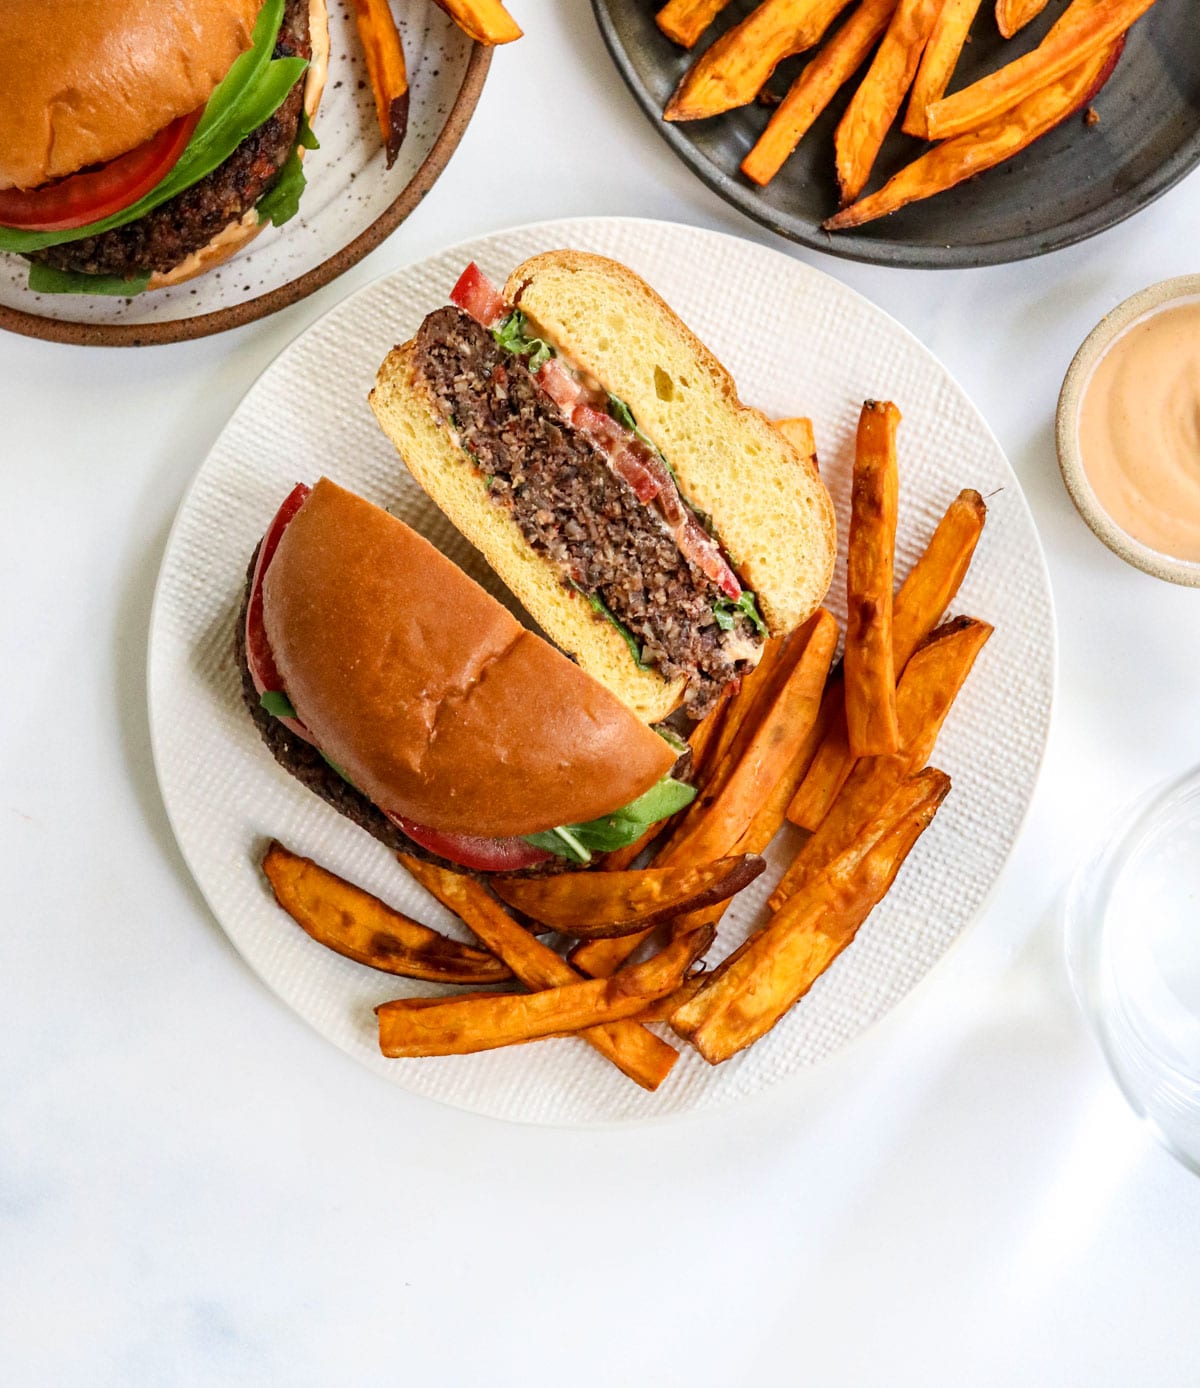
(473, 850)
(92, 195)
(477, 295)
(263, 670)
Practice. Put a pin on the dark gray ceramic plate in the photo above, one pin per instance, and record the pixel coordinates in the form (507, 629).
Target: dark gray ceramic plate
(1074, 182)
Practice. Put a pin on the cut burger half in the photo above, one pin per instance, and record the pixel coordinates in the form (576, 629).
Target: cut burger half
(408, 698)
(597, 454)
(145, 143)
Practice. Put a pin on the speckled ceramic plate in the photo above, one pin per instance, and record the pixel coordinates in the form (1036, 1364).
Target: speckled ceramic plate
(796, 341)
(351, 204)
(1076, 181)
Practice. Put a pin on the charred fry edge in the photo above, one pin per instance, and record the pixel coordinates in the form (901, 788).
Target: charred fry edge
(371, 933)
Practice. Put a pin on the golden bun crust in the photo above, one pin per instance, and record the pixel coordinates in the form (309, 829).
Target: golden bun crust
(459, 489)
(87, 80)
(431, 697)
(229, 241)
(768, 504)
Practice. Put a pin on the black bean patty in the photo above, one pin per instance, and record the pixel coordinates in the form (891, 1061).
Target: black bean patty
(576, 512)
(170, 233)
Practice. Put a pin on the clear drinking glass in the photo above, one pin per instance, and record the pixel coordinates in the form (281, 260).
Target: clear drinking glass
(1133, 946)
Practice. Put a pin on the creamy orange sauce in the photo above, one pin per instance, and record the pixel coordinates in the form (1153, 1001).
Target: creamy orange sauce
(1139, 431)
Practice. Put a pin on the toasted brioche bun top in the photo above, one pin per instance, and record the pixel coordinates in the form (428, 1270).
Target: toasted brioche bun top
(428, 694)
(767, 501)
(86, 80)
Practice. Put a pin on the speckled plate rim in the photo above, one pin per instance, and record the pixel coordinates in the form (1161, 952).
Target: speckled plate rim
(869, 250)
(236, 315)
(1144, 304)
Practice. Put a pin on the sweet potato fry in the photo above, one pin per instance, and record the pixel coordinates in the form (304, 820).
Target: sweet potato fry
(868, 663)
(603, 905)
(463, 1026)
(705, 737)
(635, 1051)
(1013, 15)
(683, 21)
(745, 709)
(875, 104)
(485, 21)
(384, 53)
(956, 160)
(927, 690)
(816, 87)
(1085, 30)
(748, 993)
(765, 772)
(358, 925)
(732, 71)
(799, 431)
(939, 60)
(923, 598)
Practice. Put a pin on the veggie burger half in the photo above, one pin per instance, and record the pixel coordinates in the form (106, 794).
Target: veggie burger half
(147, 141)
(597, 454)
(408, 698)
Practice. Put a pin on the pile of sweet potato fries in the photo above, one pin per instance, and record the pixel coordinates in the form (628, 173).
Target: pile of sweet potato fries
(916, 46)
(486, 21)
(840, 751)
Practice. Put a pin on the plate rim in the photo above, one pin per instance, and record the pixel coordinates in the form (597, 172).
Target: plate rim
(727, 1101)
(894, 254)
(75, 333)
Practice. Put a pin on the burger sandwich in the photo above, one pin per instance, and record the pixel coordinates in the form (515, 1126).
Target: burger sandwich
(147, 141)
(596, 452)
(412, 701)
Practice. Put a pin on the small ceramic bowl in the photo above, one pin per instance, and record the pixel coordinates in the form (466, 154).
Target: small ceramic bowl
(1099, 340)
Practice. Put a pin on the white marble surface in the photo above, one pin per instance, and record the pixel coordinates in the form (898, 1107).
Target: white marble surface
(195, 1189)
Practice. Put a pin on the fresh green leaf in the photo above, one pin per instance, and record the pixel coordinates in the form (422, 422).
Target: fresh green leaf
(577, 842)
(277, 704)
(598, 605)
(250, 93)
(329, 761)
(725, 612)
(620, 411)
(562, 842)
(281, 201)
(513, 337)
(671, 738)
(46, 279)
(307, 136)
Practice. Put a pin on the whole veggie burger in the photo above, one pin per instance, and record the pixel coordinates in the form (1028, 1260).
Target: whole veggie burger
(145, 141)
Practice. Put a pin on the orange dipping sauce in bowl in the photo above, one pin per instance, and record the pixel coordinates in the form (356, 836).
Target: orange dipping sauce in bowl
(1128, 430)
(1139, 430)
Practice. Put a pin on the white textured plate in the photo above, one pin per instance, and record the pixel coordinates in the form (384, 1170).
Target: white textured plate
(798, 342)
(351, 203)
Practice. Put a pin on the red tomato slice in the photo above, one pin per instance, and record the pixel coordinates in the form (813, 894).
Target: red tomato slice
(477, 295)
(263, 670)
(559, 385)
(97, 193)
(473, 850)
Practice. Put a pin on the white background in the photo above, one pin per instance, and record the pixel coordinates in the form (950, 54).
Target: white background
(195, 1189)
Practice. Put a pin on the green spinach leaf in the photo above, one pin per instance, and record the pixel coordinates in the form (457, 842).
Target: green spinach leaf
(725, 612)
(577, 842)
